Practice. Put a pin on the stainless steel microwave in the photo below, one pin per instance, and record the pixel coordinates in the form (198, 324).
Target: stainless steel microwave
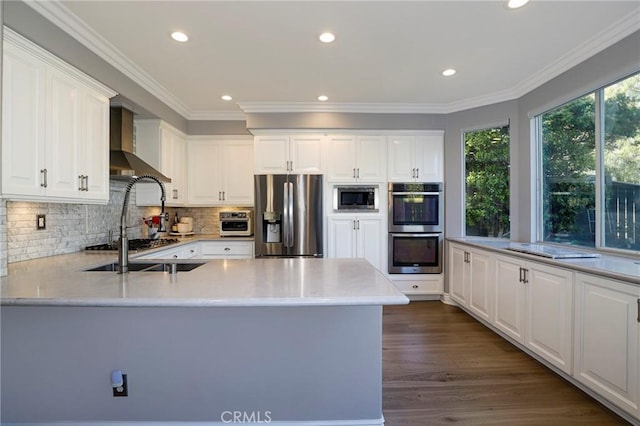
(355, 198)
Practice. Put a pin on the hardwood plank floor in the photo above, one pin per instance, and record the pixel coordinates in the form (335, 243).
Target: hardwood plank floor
(441, 366)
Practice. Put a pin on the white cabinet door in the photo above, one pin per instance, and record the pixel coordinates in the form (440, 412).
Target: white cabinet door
(23, 124)
(549, 310)
(288, 154)
(607, 339)
(372, 159)
(63, 137)
(416, 158)
(356, 237)
(305, 154)
(95, 146)
(356, 158)
(205, 181)
(342, 154)
(163, 147)
(342, 237)
(369, 240)
(271, 154)
(429, 158)
(401, 154)
(458, 272)
(509, 298)
(481, 284)
(219, 173)
(237, 173)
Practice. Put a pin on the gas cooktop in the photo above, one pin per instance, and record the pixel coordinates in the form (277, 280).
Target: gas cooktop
(134, 245)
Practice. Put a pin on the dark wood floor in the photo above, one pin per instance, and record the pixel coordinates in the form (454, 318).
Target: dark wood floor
(441, 366)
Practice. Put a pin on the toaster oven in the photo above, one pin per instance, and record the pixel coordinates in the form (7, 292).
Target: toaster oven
(236, 223)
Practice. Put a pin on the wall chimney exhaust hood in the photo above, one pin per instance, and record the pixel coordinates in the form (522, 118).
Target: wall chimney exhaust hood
(123, 163)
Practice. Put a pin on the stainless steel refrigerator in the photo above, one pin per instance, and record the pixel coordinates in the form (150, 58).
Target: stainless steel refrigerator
(288, 216)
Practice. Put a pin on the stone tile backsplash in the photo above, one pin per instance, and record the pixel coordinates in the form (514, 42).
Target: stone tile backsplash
(71, 227)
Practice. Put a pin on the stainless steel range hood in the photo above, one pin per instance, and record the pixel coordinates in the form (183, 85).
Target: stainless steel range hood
(123, 163)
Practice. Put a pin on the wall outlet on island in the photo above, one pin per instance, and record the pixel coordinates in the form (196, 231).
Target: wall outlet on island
(41, 222)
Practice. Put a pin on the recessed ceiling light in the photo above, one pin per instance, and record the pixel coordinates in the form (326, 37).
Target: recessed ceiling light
(448, 72)
(323, 98)
(226, 97)
(327, 37)
(514, 4)
(178, 36)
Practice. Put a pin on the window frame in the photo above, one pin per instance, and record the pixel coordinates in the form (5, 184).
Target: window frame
(463, 132)
(599, 156)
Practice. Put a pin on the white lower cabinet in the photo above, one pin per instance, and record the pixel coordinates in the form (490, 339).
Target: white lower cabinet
(356, 237)
(420, 285)
(607, 337)
(470, 279)
(226, 249)
(534, 305)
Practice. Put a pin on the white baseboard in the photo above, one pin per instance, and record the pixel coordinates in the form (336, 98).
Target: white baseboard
(446, 299)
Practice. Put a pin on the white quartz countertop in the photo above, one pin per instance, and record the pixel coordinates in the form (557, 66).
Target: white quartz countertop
(622, 268)
(62, 281)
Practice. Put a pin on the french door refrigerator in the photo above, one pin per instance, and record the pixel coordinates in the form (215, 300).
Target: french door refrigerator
(288, 216)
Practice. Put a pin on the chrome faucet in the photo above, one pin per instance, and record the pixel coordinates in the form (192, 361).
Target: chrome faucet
(123, 242)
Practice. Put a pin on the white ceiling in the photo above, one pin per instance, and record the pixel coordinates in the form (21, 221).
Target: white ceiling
(388, 55)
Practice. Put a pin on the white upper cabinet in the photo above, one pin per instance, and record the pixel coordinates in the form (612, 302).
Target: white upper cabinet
(355, 158)
(416, 158)
(288, 154)
(163, 147)
(55, 128)
(220, 171)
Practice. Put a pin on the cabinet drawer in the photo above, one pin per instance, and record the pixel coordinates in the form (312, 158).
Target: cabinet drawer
(419, 287)
(227, 248)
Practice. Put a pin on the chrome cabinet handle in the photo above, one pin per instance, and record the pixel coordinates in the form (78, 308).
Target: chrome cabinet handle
(227, 249)
(417, 173)
(175, 194)
(224, 195)
(358, 174)
(43, 173)
(354, 172)
(414, 286)
(86, 183)
(81, 187)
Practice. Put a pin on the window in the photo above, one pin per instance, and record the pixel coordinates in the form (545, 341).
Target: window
(487, 182)
(590, 169)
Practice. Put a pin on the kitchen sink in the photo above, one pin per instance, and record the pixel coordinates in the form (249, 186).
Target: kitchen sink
(148, 267)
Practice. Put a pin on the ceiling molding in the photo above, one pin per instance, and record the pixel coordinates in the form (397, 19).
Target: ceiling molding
(62, 17)
(600, 41)
(217, 115)
(67, 21)
(371, 108)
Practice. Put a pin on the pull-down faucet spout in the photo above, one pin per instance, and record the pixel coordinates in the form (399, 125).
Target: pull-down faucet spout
(123, 242)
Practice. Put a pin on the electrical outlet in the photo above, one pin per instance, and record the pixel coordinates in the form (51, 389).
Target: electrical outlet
(41, 222)
(125, 388)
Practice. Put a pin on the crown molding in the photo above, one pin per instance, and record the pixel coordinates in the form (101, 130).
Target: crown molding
(600, 41)
(67, 21)
(370, 108)
(217, 115)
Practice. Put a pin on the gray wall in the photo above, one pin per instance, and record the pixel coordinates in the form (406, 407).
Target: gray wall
(191, 364)
(350, 121)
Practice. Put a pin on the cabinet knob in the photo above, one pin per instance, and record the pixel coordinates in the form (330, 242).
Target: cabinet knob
(175, 256)
(415, 286)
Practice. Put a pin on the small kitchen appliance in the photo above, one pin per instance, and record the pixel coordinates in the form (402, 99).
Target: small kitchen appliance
(236, 223)
(355, 198)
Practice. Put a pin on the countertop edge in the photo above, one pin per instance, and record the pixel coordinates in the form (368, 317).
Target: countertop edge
(563, 263)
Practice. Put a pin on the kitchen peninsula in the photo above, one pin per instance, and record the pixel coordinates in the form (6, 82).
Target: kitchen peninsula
(294, 340)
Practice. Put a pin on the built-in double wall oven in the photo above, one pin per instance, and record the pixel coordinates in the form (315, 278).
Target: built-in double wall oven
(416, 227)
